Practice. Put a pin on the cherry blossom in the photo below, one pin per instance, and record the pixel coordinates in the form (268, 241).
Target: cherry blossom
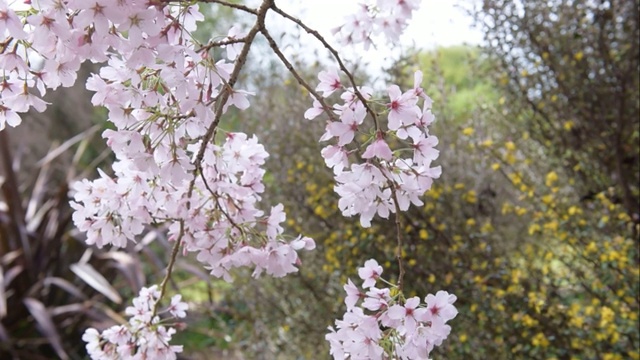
(408, 328)
(378, 148)
(402, 108)
(370, 273)
(388, 17)
(146, 335)
(329, 82)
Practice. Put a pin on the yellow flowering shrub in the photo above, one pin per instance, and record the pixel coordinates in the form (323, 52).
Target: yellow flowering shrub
(541, 270)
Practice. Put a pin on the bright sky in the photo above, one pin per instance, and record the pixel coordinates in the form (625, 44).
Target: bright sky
(436, 23)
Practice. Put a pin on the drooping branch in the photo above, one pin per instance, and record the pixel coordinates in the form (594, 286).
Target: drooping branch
(221, 101)
(274, 46)
(336, 56)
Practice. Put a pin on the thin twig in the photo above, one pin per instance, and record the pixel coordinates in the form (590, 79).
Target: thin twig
(398, 238)
(335, 54)
(292, 70)
(224, 3)
(226, 92)
(172, 261)
(222, 99)
(234, 6)
(213, 44)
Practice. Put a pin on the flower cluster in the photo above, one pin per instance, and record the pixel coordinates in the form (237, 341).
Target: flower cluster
(388, 17)
(146, 336)
(46, 41)
(163, 93)
(386, 326)
(387, 180)
(220, 221)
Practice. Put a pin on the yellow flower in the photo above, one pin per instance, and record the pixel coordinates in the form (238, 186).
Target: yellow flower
(577, 321)
(540, 340)
(516, 179)
(487, 227)
(534, 228)
(606, 316)
(568, 125)
(470, 197)
(529, 321)
(551, 178)
(463, 338)
(468, 131)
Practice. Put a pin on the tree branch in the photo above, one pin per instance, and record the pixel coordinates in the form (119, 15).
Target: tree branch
(335, 54)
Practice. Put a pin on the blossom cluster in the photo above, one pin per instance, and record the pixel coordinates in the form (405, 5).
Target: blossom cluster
(220, 222)
(386, 325)
(387, 17)
(163, 93)
(145, 336)
(387, 180)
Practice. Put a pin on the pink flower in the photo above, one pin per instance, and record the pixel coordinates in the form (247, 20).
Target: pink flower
(303, 242)
(441, 305)
(8, 116)
(280, 260)
(273, 223)
(424, 150)
(346, 128)
(378, 148)
(9, 22)
(233, 50)
(353, 294)
(406, 314)
(329, 82)
(335, 157)
(370, 273)
(391, 25)
(377, 299)
(177, 307)
(314, 111)
(238, 98)
(402, 108)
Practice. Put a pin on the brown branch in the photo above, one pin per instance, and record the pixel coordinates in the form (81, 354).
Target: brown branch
(213, 44)
(292, 70)
(222, 99)
(234, 6)
(335, 54)
(172, 261)
(223, 3)
(398, 237)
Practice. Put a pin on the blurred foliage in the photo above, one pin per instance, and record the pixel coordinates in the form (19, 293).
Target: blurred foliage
(52, 287)
(570, 72)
